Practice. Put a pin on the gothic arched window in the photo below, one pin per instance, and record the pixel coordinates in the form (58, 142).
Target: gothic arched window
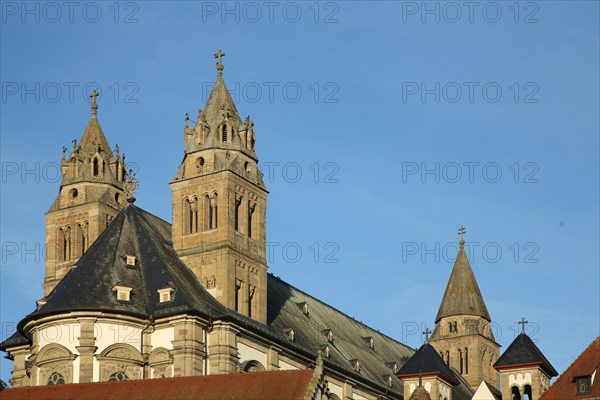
(251, 208)
(210, 205)
(60, 245)
(190, 215)
(56, 379)
(80, 239)
(460, 361)
(118, 376)
(466, 361)
(238, 203)
(66, 246)
(516, 395)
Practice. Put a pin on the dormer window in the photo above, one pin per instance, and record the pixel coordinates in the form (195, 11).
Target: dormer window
(131, 260)
(329, 335)
(290, 334)
(123, 292)
(326, 352)
(40, 303)
(584, 385)
(165, 294)
(389, 381)
(355, 365)
(303, 307)
(370, 342)
(393, 366)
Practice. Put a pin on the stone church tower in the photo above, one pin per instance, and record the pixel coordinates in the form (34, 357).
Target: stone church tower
(219, 205)
(90, 195)
(462, 335)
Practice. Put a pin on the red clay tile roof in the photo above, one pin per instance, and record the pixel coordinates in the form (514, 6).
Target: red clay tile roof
(273, 385)
(585, 365)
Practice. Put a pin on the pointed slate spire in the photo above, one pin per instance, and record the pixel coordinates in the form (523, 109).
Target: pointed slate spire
(462, 295)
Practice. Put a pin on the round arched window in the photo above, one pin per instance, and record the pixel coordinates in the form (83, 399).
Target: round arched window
(56, 379)
(118, 198)
(74, 193)
(200, 162)
(118, 376)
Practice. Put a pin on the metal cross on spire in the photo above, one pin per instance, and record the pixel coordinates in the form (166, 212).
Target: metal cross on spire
(427, 332)
(522, 322)
(461, 233)
(219, 55)
(94, 104)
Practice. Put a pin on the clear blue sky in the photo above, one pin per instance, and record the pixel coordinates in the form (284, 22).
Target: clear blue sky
(389, 91)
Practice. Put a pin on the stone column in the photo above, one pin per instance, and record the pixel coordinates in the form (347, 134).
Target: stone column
(273, 359)
(348, 391)
(19, 370)
(86, 349)
(222, 350)
(188, 347)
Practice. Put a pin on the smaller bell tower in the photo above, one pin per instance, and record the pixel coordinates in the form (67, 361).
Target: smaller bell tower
(91, 194)
(525, 371)
(220, 204)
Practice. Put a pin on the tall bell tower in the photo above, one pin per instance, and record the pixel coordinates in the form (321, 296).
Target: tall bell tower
(463, 336)
(91, 194)
(219, 205)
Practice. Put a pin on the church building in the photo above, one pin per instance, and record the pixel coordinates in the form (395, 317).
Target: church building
(128, 296)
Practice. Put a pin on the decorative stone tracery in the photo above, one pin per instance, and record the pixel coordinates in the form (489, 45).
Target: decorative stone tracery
(120, 358)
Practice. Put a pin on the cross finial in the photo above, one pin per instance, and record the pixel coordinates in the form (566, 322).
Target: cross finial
(522, 322)
(427, 332)
(218, 56)
(461, 233)
(94, 104)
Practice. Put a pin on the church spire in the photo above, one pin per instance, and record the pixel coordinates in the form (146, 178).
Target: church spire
(462, 296)
(219, 125)
(93, 139)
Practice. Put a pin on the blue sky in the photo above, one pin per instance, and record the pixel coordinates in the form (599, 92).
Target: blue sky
(381, 128)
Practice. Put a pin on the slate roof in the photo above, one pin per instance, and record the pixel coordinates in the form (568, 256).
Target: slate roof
(523, 351)
(16, 339)
(134, 232)
(427, 361)
(587, 364)
(462, 295)
(350, 337)
(273, 385)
